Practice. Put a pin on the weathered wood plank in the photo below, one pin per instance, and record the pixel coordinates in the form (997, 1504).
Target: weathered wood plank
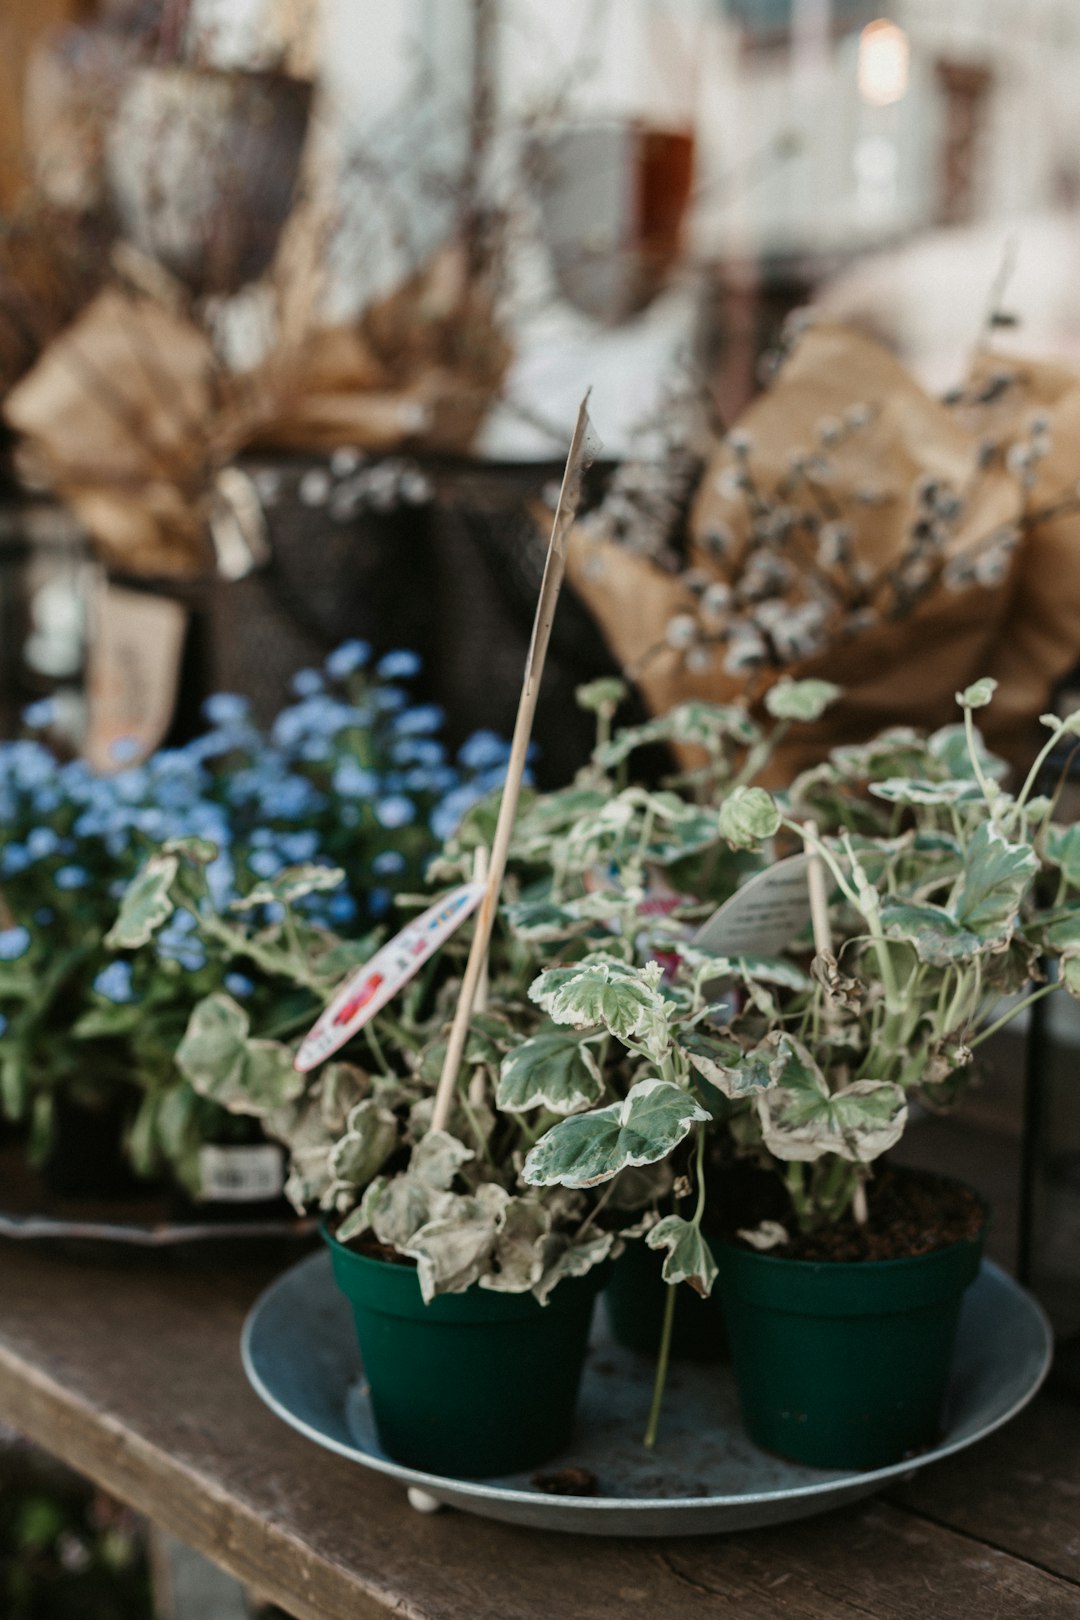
(131, 1373)
(1019, 1491)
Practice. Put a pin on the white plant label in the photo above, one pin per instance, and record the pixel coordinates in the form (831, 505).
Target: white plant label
(764, 916)
(241, 1175)
(389, 970)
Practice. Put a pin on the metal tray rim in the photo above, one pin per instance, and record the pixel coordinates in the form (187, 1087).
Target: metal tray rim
(599, 1507)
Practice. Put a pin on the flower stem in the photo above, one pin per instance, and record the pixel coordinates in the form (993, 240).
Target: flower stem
(662, 1359)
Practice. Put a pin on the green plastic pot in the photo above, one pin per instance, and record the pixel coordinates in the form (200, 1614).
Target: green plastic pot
(474, 1384)
(635, 1298)
(844, 1364)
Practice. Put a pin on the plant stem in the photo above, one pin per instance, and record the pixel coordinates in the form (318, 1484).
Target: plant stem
(1007, 1017)
(653, 1426)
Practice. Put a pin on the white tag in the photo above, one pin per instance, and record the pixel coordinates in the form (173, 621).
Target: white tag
(134, 667)
(372, 986)
(764, 916)
(241, 1175)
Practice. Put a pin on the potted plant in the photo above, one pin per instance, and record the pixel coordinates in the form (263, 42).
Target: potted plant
(841, 1278)
(352, 772)
(429, 1225)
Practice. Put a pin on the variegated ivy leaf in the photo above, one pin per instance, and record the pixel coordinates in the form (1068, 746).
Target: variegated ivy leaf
(688, 1258)
(1063, 851)
(565, 1257)
(1070, 972)
(935, 934)
(749, 968)
(948, 747)
(370, 1139)
(602, 990)
(600, 695)
(585, 1149)
(437, 1159)
(396, 1209)
(267, 1080)
(802, 1120)
(291, 885)
(220, 1062)
(211, 1054)
(997, 875)
(554, 1069)
(978, 694)
(906, 790)
(147, 903)
(747, 817)
(725, 1065)
(519, 1254)
(704, 725)
(199, 850)
(544, 920)
(769, 1235)
(800, 700)
(454, 1250)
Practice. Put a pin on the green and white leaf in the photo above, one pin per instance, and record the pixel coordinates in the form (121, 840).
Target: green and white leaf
(586, 1149)
(997, 875)
(359, 1155)
(725, 1065)
(291, 885)
(211, 1054)
(554, 1069)
(602, 990)
(800, 700)
(978, 694)
(802, 1120)
(688, 1258)
(748, 816)
(146, 904)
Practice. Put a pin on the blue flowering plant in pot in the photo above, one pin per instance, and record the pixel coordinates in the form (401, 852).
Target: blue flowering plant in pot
(352, 777)
(772, 1093)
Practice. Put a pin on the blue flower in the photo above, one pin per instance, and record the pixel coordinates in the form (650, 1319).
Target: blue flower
(265, 863)
(352, 781)
(420, 721)
(14, 942)
(347, 659)
(482, 750)
(3, 1024)
(299, 846)
(37, 716)
(418, 751)
(341, 908)
(42, 842)
(388, 699)
(379, 901)
(398, 665)
(239, 985)
(124, 750)
(307, 683)
(14, 858)
(44, 915)
(71, 877)
(388, 863)
(395, 811)
(114, 983)
(226, 709)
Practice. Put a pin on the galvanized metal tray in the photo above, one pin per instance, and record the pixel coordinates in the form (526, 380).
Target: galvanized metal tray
(300, 1354)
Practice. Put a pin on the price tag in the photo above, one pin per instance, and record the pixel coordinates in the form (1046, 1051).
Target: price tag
(373, 985)
(241, 1175)
(764, 916)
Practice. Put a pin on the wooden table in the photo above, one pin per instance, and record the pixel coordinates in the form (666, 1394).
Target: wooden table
(131, 1373)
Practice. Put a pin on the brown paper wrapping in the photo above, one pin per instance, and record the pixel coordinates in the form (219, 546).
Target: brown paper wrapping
(902, 672)
(120, 416)
(419, 370)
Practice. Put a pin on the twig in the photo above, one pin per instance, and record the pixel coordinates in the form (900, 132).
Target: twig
(578, 459)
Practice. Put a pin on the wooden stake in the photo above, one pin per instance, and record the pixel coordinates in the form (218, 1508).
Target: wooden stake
(819, 898)
(550, 586)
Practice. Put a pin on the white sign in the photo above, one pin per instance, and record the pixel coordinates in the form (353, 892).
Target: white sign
(764, 916)
(373, 985)
(241, 1175)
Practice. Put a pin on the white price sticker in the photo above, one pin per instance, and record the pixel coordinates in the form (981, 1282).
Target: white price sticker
(764, 916)
(241, 1175)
